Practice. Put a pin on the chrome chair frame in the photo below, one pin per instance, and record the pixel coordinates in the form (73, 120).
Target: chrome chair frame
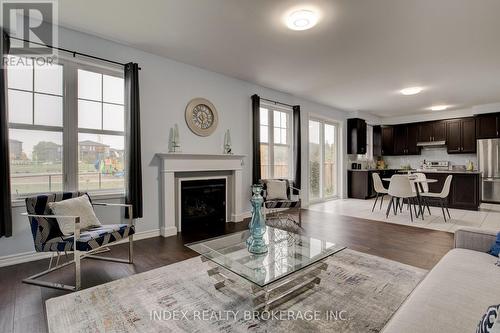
(282, 214)
(79, 255)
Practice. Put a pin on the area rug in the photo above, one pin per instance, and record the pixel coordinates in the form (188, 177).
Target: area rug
(357, 293)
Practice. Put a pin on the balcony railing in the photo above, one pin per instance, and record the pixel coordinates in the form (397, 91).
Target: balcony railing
(29, 183)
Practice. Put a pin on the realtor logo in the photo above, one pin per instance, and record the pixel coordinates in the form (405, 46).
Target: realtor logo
(32, 21)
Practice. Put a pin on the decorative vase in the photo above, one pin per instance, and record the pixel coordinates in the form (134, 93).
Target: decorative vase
(255, 241)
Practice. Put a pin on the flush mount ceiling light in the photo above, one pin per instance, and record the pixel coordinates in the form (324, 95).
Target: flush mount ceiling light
(439, 107)
(301, 19)
(411, 90)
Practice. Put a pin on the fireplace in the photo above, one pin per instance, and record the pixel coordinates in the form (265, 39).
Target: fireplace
(203, 204)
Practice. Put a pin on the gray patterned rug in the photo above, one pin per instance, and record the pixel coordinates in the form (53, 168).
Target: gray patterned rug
(358, 293)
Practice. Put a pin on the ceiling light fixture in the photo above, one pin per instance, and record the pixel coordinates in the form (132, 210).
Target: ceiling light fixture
(439, 107)
(301, 20)
(411, 91)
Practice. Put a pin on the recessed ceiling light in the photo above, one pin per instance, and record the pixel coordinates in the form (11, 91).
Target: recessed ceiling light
(411, 90)
(439, 107)
(301, 20)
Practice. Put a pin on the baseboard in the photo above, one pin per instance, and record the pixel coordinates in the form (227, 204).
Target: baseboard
(20, 258)
(240, 217)
(169, 231)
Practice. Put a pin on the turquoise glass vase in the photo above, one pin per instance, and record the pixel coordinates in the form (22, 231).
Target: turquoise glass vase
(257, 226)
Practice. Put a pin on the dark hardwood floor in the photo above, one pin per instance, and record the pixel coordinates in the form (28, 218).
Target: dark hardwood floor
(22, 306)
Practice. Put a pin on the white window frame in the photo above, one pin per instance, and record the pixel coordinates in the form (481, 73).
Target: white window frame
(270, 138)
(70, 128)
(336, 124)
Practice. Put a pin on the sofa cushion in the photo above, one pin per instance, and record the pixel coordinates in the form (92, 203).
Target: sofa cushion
(452, 297)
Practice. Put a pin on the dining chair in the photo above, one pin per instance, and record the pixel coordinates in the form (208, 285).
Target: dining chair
(421, 181)
(400, 188)
(379, 189)
(442, 196)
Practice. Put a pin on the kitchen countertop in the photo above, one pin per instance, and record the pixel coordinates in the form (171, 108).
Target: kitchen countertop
(475, 172)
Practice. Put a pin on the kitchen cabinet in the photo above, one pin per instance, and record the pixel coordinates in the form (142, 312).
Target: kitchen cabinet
(405, 139)
(461, 136)
(432, 131)
(487, 126)
(377, 141)
(465, 190)
(356, 136)
(360, 182)
(387, 140)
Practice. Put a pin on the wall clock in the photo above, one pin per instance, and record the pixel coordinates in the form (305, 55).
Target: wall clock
(201, 116)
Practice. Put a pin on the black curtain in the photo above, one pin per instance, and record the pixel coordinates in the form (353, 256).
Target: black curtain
(5, 202)
(133, 141)
(297, 153)
(256, 139)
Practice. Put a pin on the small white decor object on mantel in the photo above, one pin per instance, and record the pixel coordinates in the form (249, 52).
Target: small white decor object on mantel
(228, 149)
(173, 140)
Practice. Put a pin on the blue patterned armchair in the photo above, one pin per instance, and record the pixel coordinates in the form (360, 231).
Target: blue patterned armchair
(84, 243)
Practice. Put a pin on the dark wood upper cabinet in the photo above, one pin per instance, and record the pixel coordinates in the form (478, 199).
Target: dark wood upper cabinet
(468, 135)
(400, 137)
(461, 136)
(487, 126)
(453, 137)
(387, 140)
(439, 130)
(405, 139)
(426, 132)
(377, 140)
(412, 139)
(356, 136)
(432, 131)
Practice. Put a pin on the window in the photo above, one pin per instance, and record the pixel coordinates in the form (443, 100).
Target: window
(323, 157)
(101, 136)
(66, 127)
(276, 142)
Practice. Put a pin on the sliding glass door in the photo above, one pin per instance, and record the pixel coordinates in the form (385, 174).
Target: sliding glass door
(323, 157)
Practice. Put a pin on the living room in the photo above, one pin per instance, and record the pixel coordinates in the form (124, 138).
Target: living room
(231, 166)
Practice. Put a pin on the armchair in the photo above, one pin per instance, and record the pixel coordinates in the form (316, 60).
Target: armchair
(84, 243)
(278, 211)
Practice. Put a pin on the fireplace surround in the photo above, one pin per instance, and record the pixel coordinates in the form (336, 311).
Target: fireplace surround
(176, 167)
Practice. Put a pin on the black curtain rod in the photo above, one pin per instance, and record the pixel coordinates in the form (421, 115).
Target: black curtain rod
(276, 102)
(75, 53)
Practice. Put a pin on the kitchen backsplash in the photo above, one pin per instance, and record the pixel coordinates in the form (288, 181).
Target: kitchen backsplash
(429, 154)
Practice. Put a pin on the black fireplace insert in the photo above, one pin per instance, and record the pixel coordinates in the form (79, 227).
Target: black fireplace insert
(203, 204)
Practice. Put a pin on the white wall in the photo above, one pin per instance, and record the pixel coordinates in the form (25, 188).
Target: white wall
(166, 87)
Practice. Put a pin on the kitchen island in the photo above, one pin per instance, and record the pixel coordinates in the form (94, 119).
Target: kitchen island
(465, 191)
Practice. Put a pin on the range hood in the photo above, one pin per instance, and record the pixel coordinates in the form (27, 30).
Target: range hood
(441, 143)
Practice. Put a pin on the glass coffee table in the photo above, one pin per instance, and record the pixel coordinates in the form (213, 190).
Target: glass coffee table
(293, 262)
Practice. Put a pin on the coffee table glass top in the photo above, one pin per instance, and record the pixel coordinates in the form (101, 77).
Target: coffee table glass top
(288, 253)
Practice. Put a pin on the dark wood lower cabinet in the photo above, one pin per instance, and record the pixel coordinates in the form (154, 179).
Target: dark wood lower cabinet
(465, 191)
(360, 182)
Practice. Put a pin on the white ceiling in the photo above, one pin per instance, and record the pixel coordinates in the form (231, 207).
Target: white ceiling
(357, 57)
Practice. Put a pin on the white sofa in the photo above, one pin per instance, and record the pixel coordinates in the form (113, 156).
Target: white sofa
(456, 292)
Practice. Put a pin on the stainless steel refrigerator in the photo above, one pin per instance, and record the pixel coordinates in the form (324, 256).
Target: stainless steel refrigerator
(488, 158)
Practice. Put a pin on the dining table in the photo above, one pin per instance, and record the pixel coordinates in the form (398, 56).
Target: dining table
(418, 188)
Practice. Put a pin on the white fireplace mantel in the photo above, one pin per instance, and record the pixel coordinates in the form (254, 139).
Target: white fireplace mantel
(172, 163)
